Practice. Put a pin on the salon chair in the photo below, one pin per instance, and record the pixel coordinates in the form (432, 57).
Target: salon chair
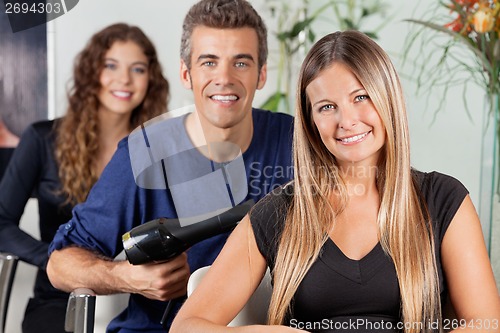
(80, 312)
(255, 311)
(8, 265)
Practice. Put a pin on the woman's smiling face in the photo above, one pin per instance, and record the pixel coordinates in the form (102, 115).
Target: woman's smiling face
(347, 121)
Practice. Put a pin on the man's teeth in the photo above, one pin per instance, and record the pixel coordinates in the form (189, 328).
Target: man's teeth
(122, 94)
(354, 138)
(225, 97)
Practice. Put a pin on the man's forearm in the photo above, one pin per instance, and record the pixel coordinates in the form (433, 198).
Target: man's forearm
(75, 267)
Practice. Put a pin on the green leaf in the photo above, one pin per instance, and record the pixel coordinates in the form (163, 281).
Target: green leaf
(312, 36)
(370, 34)
(457, 36)
(349, 24)
(272, 103)
(300, 26)
(283, 36)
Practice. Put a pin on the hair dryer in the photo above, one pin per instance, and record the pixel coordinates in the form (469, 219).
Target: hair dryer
(163, 239)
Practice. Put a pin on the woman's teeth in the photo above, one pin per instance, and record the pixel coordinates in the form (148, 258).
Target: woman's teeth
(354, 138)
(122, 94)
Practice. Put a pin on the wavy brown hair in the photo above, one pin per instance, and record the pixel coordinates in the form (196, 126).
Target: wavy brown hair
(404, 228)
(78, 131)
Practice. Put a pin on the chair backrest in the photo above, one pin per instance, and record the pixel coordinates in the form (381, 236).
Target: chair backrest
(8, 265)
(255, 311)
(80, 312)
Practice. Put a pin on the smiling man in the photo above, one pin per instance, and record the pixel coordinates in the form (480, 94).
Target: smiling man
(223, 71)
(223, 62)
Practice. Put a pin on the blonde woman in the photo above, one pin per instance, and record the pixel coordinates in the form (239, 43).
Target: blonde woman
(117, 85)
(359, 241)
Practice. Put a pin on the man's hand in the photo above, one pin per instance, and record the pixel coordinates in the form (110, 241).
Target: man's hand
(162, 281)
(74, 267)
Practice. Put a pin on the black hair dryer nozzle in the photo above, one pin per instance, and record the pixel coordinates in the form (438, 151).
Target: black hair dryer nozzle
(163, 239)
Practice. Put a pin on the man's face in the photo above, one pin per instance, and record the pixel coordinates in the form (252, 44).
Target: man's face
(224, 75)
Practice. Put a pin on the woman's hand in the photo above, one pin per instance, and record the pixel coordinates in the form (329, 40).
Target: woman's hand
(7, 138)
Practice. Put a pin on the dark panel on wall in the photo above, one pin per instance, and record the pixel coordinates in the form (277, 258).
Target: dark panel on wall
(23, 78)
(23, 74)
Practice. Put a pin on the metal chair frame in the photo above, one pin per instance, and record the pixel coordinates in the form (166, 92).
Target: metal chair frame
(80, 312)
(8, 265)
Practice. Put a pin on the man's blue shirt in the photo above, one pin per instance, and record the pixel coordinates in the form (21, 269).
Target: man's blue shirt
(116, 204)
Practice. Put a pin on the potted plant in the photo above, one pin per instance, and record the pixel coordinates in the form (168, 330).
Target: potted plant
(296, 25)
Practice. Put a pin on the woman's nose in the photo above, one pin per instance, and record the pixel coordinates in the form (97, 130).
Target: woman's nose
(346, 118)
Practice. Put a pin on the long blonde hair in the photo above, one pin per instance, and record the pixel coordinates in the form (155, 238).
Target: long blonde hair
(404, 228)
(78, 131)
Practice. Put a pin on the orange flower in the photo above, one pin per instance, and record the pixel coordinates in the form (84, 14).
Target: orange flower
(483, 20)
(477, 23)
(497, 25)
(466, 3)
(456, 25)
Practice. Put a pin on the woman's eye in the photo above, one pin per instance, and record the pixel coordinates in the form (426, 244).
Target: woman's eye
(361, 98)
(110, 65)
(139, 70)
(326, 108)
